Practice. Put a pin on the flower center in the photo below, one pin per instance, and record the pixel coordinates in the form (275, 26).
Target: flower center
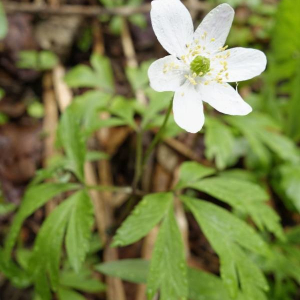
(200, 65)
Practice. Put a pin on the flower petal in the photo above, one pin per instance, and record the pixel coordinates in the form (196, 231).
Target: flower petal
(224, 98)
(213, 30)
(173, 25)
(244, 64)
(188, 108)
(170, 80)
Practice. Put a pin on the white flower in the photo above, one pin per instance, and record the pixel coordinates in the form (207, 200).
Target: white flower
(199, 67)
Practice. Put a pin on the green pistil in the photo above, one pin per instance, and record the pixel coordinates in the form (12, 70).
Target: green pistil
(200, 65)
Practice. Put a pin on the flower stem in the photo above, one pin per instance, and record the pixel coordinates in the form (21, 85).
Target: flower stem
(158, 135)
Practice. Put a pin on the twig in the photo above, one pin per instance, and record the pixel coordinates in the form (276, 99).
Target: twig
(13, 7)
(49, 126)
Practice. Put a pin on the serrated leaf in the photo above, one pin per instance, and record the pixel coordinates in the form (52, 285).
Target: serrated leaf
(246, 197)
(72, 139)
(202, 285)
(81, 281)
(219, 142)
(79, 229)
(143, 218)
(229, 236)
(47, 248)
(190, 172)
(262, 134)
(34, 198)
(168, 270)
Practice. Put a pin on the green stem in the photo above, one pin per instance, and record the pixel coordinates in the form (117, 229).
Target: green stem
(158, 135)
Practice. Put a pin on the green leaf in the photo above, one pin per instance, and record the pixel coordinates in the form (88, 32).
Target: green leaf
(3, 22)
(16, 275)
(285, 44)
(246, 197)
(96, 155)
(6, 208)
(293, 122)
(101, 76)
(229, 236)
(168, 270)
(81, 76)
(143, 218)
(138, 20)
(219, 142)
(34, 198)
(47, 249)
(43, 60)
(81, 281)
(262, 133)
(115, 25)
(133, 270)
(35, 110)
(138, 77)
(191, 172)
(288, 184)
(157, 103)
(72, 139)
(202, 285)
(67, 294)
(104, 73)
(124, 109)
(79, 229)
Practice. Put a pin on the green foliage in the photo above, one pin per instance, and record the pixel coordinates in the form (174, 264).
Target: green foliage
(3, 22)
(35, 197)
(40, 61)
(73, 217)
(72, 139)
(168, 270)
(143, 218)
(35, 109)
(79, 229)
(6, 208)
(99, 76)
(220, 143)
(244, 196)
(191, 172)
(263, 135)
(287, 184)
(285, 42)
(230, 237)
(202, 285)
(132, 270)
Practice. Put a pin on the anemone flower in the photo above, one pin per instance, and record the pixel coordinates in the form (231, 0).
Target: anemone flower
(199, 66)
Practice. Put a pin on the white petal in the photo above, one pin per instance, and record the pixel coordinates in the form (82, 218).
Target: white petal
(224, 98)
(188, 108)
(213, 31)
(172, 24)
(244, 64)
(169, 81)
